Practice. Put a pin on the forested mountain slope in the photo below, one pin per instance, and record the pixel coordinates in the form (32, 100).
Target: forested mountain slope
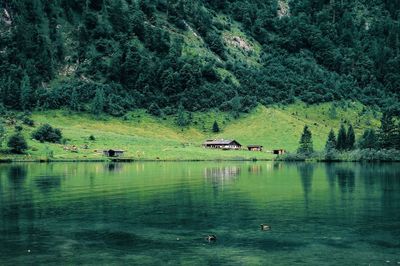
(163, 55)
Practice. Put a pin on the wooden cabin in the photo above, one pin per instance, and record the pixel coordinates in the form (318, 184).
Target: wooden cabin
(113, 153)
(224, 144)
(279, 152)
(255, 147)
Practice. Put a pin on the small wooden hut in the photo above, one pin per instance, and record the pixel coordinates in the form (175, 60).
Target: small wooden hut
(113, 153)
(279, 152)
(222, 144)
(255, 147)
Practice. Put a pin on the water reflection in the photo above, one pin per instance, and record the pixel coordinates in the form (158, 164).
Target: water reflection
(306, 172)
(114, 167)
(346, 179)
(222, 173)
(112, 209)
(221, 176)
(255, 169)
(48, 183)
(17, 175)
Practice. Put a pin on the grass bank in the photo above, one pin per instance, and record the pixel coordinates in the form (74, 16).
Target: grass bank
(145, 137)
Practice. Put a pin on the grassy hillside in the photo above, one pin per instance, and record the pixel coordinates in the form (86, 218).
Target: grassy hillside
(146, 137)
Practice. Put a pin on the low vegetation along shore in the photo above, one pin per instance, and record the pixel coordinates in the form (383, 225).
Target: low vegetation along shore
(65, 136)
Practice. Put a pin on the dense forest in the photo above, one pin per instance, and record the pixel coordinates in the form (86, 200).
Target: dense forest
(116, 55)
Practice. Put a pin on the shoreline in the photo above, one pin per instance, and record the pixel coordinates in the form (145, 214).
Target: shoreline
(126, 160)
(133, 160)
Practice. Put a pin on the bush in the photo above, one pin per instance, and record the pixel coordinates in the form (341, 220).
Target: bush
(18, 128)
(92, 138)
(47, 133)
(17, 144)
(155, 110)
(292, 157)
(28, 121)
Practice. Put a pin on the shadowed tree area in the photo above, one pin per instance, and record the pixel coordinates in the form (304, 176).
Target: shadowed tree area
(114, 56)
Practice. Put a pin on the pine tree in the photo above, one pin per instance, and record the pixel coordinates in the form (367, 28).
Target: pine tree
(332, 112)
(98, 103)
(26, 97)
(215, 127)
(369, 140)
(342, 139)
(331, 141)
(181, 119)
(74, 103)
(387, 131)
(2, 134)
(306, 142)
(350, 138)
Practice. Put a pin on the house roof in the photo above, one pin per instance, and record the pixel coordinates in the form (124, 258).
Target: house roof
(221, 142)
(114, 150)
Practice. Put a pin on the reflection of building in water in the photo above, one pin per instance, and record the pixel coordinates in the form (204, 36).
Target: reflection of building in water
(113, 167)
(221, 175)
(255, 169)
(222, 172)
(277, 166)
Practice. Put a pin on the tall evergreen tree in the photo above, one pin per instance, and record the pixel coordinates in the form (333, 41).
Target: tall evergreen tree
(98, 102)
(26, 97)
(387, 131)
(369, 140)
(215, 127)
(2, 134)
(331, 141)
(350, 138)
(74, 103)
(182, 119)
(306, 142)
(342, 139)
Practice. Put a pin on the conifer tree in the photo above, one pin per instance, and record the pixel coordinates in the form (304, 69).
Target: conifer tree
(26, 93)
(350, 138)
(181, 119)
(306, 142)
(2, 134)
(369, 140)
(342, 139)
(215, 127)
(387, 131)
(97, 107)
(331, 141)
(74, 103)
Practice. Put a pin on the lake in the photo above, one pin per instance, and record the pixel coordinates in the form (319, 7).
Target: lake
(161, 213)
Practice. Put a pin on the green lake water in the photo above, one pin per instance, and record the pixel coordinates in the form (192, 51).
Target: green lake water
(160, 214)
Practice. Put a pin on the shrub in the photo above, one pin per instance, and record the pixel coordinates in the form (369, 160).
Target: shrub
(28, 121)
(47, 133)
(18, 128)
(17, 144)
(92, 138)
(155, 110)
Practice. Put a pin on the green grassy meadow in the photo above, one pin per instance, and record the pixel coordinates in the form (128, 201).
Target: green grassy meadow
(145, 137)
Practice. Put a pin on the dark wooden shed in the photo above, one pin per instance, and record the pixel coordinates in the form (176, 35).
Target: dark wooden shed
(255, 147)
(279, 151)
(113, 153)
